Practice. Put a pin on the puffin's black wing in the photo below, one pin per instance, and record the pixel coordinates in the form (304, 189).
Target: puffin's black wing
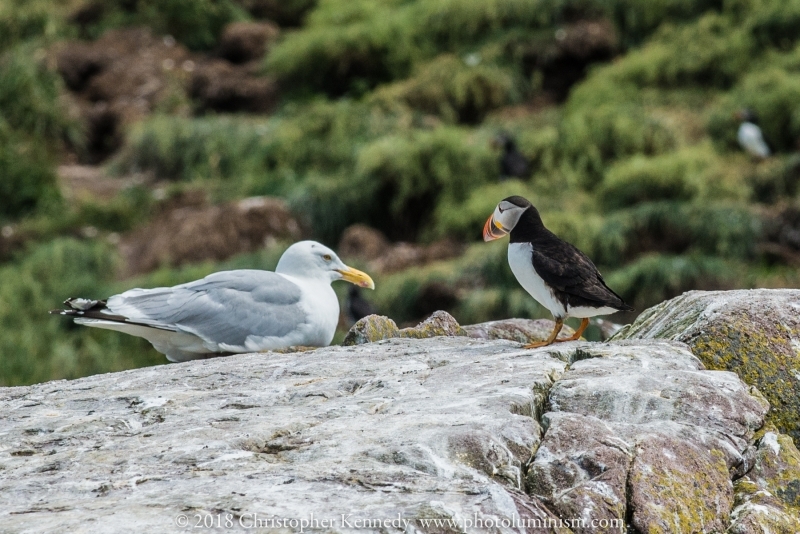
(565, 268)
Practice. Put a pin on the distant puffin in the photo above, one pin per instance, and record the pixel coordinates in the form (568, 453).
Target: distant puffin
(512, 163)
(558, 275)
(750, 136)
(357, 307)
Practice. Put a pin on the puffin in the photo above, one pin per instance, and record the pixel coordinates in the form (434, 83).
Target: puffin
(750, 136)
(513, 164)
(555, 273)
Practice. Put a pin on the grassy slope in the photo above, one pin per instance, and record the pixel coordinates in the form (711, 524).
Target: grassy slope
(388, 121)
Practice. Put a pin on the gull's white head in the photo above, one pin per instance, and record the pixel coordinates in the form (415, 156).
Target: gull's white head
(309, 259)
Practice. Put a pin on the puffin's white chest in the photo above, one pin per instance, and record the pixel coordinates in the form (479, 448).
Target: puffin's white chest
(519, 259)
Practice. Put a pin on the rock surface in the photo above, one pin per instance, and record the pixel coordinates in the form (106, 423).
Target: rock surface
(754, 333)
(451, 428)
(521, 330)
(377, 327)
(768, 497)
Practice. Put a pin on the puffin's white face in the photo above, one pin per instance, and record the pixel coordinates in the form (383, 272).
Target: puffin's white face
(312, 259)
(503, 220)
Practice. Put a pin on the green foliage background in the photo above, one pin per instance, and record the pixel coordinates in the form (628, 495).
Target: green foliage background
(388, 112)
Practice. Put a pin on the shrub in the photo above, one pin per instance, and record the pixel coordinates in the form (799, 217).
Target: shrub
(654, 278)
(194, 149)
(23, 20)
(397, 183)
(592, 137)
(195, 23)
(709, 52)
(27, 180)
(673, 176)
(29, 97)
(449, 88)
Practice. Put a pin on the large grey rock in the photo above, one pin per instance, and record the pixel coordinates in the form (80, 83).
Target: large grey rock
(427, 428)
(641, 432)
(754, 333)
(448, 428)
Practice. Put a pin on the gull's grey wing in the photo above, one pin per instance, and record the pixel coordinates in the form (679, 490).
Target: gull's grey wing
(222, 308)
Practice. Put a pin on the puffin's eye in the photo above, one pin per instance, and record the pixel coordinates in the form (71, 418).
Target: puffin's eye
(326, 257)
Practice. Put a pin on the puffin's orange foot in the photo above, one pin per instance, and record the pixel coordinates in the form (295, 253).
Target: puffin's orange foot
(537, 344)
(549, 340)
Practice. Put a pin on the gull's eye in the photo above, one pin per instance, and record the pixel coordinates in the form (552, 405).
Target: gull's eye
(326, 257)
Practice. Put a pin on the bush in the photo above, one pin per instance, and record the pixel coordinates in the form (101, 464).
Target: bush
(351, 57)
(23, 20)
(641, 179)
(456, 92)
(194, 149)
(398, 182)
(709, 52)
(592, 137)
(27, 180)
(195, 23)
(29, 97)
(654, 278)
(713, 228)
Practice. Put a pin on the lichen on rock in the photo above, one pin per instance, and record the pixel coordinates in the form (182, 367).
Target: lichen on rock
(754, 333)
(377, 327)
(768, 496)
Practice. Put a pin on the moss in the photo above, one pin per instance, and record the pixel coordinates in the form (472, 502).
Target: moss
(762, 355)
(674, 497)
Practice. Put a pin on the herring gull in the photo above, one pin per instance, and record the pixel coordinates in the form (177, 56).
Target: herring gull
(231, 312)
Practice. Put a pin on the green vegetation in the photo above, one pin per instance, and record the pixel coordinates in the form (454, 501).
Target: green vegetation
(387, 115)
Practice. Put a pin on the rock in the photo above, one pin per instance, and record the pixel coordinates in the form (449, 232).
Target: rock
(370, 329)
(521, 330)
(754, 333)
(347, 434)
(440, 323)
(768, 497)
(196, 232)
(449, 428)
(241, 42)
(377, 327)
(641, 431)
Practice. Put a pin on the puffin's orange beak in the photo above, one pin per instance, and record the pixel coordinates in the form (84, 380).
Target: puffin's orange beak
(493, 230)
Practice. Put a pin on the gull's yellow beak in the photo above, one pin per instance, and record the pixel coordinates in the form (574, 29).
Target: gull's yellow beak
(493, 230)
(354, 276)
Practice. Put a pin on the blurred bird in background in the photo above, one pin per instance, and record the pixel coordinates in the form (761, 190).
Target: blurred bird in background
(513, 164)
(356, 306)
(750, 136)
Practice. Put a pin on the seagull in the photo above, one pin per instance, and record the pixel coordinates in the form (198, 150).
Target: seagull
(558, 275)
(512, 163)
(356, 306)
(750, 136)
(232, 312)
